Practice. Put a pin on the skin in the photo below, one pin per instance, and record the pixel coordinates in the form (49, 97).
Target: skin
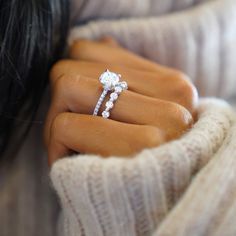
(159, 106)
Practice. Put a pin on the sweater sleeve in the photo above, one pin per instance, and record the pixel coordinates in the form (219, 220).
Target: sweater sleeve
(130, 197)
(201, 41)
(87, 9)
(209, 205)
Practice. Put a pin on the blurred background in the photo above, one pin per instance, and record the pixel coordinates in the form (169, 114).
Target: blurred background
(195, 36)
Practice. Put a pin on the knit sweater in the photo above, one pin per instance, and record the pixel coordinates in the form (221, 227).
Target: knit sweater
(199, 40)
(146, 195)
(155, 193)
(186, 187)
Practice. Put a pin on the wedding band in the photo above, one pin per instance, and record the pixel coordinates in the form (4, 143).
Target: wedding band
(111, 82)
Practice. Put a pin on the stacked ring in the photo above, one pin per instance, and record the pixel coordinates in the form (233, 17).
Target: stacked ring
(111, 82)
(119, 88)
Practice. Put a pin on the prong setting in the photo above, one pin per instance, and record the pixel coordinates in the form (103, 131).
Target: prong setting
(111, 83)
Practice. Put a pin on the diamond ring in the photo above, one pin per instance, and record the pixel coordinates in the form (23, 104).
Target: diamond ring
(111, 83)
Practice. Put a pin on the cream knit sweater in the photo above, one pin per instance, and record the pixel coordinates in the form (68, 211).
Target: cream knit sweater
(186, 187)
(199, 40)
(155, 193)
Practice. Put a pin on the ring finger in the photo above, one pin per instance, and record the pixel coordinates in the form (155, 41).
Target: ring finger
(167, 85)
(80, 94)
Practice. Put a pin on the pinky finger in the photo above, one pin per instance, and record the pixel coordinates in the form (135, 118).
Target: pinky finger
(72, 132)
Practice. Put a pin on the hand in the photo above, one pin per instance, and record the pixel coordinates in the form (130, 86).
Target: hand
(159, 105)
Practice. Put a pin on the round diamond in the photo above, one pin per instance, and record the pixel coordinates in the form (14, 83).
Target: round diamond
(105, 114)
(123, 85)
(113, 96)
(109, 104)
(118, 89)
(109, 79)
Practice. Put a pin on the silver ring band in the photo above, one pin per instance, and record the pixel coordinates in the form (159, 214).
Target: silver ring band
(100, 101)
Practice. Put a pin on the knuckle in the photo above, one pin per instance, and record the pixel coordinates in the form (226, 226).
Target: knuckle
(58, 69)
(152, 136)
(82, 46)
(65, 84)
(60, 85)
(180, 75)
(183, 84)
(60, 125)
(175, 120)
(185, 91)
(183, 118)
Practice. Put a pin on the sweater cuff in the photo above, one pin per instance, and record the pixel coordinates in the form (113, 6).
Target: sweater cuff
(118, 196)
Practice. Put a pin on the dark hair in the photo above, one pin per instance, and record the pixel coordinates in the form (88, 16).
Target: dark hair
(32, 37)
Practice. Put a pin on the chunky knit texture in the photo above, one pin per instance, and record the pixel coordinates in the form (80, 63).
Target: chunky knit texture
(200, 40)
(197, 36)
(132, 197)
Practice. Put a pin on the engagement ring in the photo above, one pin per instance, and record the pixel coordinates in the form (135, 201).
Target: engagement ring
(111, 83)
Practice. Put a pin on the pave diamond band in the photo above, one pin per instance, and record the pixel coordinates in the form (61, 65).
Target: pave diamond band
(100, 101)
(111, 83)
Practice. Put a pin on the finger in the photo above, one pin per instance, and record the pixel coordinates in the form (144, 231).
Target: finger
(80, 95)
(99, 52)
(87, 134)
(166, 85)
(109, 41)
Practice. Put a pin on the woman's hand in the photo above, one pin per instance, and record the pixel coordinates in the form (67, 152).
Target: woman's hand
(158, 106)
